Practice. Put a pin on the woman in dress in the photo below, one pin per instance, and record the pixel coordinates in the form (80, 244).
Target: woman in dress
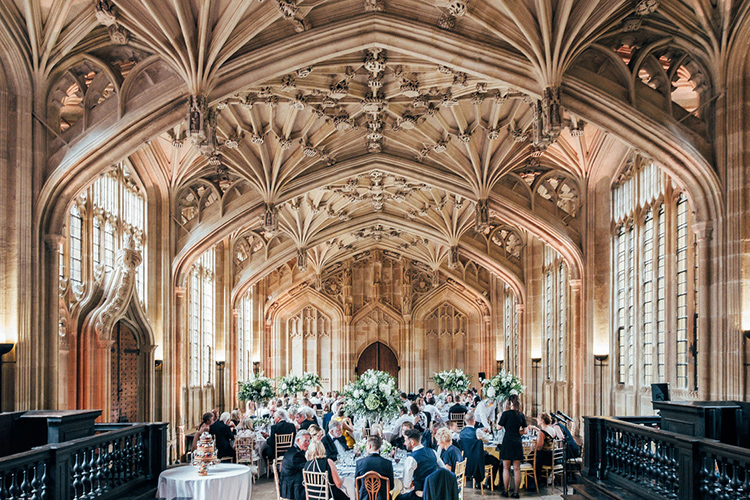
(545, 440)
(514, 423)
(449, 452)
(317, 462)
(347, 427)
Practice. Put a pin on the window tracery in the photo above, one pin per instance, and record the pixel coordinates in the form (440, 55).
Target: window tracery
(555, 290)
(201, 296)
(650, 216)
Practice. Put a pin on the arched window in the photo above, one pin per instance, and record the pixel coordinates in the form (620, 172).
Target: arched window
(511, 332)
(201, 333)
(101, 220)
(650, 216)
(555, 283)
(245, 337)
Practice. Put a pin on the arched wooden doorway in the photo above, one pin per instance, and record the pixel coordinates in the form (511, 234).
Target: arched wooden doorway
(378, 356)
(124, 371)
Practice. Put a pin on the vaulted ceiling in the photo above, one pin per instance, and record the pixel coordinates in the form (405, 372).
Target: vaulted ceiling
(440, 133)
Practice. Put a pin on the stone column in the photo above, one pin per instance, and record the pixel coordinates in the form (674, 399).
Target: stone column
(579, 354)
(708, 386)
(48, 350)
(174, 374)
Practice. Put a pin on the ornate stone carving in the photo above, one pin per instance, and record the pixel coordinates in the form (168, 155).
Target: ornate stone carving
(197, 117)
(118, 294)
(106, 12)
(374, 5)
(118, 34)
(482, 216)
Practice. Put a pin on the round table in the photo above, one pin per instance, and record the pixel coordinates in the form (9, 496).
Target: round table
(224, 481)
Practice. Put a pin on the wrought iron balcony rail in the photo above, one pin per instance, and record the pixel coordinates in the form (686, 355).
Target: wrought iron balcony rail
(104, 466)
(661, 465)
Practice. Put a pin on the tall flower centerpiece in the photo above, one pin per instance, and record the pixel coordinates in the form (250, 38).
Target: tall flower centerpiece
(289, 385)
(258, 389)
(455, 380)
(502, 386)
(310, 381)
(373, 396)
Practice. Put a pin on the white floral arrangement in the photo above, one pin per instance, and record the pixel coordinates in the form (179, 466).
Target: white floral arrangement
(259, 389)
(360, 447)
(502, 386)
(452, 380)
(290, 385)
(310, 381)
(373, 396)
(262, 422)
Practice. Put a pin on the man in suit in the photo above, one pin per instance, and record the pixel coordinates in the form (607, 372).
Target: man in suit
(472, 444)
(223, 436)
(334, 442)
(459, 407)
(309, 417)
(291, 483)
(281, 426)
(420, 463)
(374, 462)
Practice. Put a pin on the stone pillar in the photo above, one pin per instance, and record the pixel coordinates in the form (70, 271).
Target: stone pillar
(49, 349)
(708, 386)
(174, 372)
(579, 354)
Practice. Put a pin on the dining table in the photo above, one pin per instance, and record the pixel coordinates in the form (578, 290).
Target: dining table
(224, 481)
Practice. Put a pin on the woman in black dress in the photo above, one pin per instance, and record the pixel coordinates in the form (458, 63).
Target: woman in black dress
(514, 423)
(317, 462)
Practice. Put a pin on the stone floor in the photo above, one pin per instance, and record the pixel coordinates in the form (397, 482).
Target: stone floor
(264, 489)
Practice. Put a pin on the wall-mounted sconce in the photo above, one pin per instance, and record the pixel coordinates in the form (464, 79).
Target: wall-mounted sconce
(747, 334)
(158, 364)
(256, 367)
(499, 365)
(600, 359)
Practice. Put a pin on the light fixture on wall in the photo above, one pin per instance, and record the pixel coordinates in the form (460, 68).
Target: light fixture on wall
(158, 364)
(5, 348)
(747, 334)
(534, 367)
(256, 367)
(600, 359)
(499, 366)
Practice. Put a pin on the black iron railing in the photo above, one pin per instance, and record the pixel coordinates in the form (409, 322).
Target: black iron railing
(657, 464)
(103, 466)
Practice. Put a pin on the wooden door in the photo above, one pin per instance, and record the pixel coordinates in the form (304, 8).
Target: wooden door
(124, 398)
(378, 356)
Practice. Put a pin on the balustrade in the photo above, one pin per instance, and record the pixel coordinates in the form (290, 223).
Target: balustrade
(102, 466)
(657, 464)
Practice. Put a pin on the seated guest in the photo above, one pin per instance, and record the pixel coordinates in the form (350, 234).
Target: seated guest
(453, 427)
(317, 462)
(208, 419)
(419, 464)
(316, 433)
(347, 428)
(472, 444)
(403, 417)
(334, 442)
(308, 415)
(449, 453)
(235, 420)
(291, 483)
(299, 417)
(458, 407)
(399, 441)
(547, 433)
(374, 462)
(281, 426)
(245, 428)
(327, 415)
(223, 435)
(418, 418)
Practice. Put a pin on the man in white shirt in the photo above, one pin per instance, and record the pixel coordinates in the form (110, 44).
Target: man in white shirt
(420, 463)
(405, 417)
(485, 413)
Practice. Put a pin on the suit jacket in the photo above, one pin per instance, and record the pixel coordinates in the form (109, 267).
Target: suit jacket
(330, 446)
(291, 484)
(281, 427)
(224, 437)
(305, 424)
(457, 408)
(441, 485)
(473, 449)
(383, 466)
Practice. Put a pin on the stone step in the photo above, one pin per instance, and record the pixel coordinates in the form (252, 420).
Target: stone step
(599, 490)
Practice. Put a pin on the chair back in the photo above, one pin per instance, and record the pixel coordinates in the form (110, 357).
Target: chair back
(316, 485)
(558, 451)
(458, 418)
(244, 447)
(365, 432)
(275, 466)
(461, 477)
(283, 443)
(319, 412)
(373, 482)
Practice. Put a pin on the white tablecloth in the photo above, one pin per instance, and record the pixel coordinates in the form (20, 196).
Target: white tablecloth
(223, 482)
